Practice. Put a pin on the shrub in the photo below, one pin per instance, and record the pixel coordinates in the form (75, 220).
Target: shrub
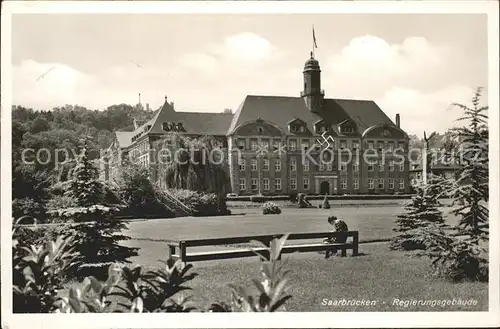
(302, 201)
(293, 197)
(138, 192)
(31, 235)
(270, 208)
(202, 204)
(29, 207)
(325, 204)
(453, 257)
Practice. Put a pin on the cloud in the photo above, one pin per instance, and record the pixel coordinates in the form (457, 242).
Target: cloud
(44, 84)
(246, 47)
(369, 64)
(414, 78)
(421, 111)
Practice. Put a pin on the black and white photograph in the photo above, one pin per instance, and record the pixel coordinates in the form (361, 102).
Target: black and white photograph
(193, 159)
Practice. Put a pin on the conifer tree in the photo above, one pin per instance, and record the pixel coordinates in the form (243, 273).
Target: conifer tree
(472, 183)
(85, 188)
(421, 213)
(462, 255)
(98, 232)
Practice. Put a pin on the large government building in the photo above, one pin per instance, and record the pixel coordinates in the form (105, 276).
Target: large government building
(277, 145)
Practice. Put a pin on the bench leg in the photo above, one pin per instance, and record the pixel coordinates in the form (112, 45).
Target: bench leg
(343, 252)
(171, 251)
(355, 251)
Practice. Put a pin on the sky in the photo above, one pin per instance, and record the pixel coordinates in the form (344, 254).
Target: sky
(412, 64)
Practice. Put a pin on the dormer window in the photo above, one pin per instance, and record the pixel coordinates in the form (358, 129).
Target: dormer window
(347, 130)
(296, 125)
(179, 127)
(167, 126)
(320, 127)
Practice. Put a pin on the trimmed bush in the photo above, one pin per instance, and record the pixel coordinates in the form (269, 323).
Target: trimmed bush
(259, 198)
(270, 208)
(303, 202)
(325, 204)
(203, 204)
(293, 197)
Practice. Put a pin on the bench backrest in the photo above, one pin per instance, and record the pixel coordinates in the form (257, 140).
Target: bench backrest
(266, 239)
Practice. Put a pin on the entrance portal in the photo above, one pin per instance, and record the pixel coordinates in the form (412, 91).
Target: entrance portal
(324, 188)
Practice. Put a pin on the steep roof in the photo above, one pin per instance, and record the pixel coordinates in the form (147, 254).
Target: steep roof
(280, 110)
(124, 138)
(196, 123)
(203, 123)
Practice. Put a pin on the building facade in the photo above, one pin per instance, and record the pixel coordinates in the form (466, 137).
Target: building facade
(281, 145)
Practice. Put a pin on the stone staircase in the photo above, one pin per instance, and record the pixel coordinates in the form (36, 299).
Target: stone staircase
(173, 204)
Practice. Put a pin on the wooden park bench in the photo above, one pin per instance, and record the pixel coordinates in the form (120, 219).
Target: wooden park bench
(178, 249)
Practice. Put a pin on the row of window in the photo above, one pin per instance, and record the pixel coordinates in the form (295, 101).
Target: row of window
(305, 144)
(306, 183)
(319, 128)
(329, 165)
(140, 148)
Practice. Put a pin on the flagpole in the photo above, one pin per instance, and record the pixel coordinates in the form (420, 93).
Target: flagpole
(313, 44)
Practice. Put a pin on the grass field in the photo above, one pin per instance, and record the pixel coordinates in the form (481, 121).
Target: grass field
(378, 274)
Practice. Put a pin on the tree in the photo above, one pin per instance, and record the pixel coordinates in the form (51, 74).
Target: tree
(421, 212)
(85, 188)
(461, 256)
(194, 169)
(472, 185)
(197, 164)
(98, 232)
(39, 124)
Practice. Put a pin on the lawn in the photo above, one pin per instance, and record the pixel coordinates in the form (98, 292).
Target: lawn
(371, 222)
(378, 274)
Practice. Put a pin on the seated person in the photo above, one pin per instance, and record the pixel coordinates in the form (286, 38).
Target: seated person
(339, 226)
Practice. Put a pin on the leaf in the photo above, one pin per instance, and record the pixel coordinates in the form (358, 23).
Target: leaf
(279, 303)
(259, 286)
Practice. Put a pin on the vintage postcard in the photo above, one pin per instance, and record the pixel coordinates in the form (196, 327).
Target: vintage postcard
(206, 164)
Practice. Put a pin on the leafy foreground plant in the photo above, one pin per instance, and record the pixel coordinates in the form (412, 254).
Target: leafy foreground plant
(132, 291)
(271, 288)
(39, 272)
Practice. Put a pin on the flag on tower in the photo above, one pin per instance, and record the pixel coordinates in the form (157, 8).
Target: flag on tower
(314, 39)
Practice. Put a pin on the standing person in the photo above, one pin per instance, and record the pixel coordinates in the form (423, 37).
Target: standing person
(338, 226)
